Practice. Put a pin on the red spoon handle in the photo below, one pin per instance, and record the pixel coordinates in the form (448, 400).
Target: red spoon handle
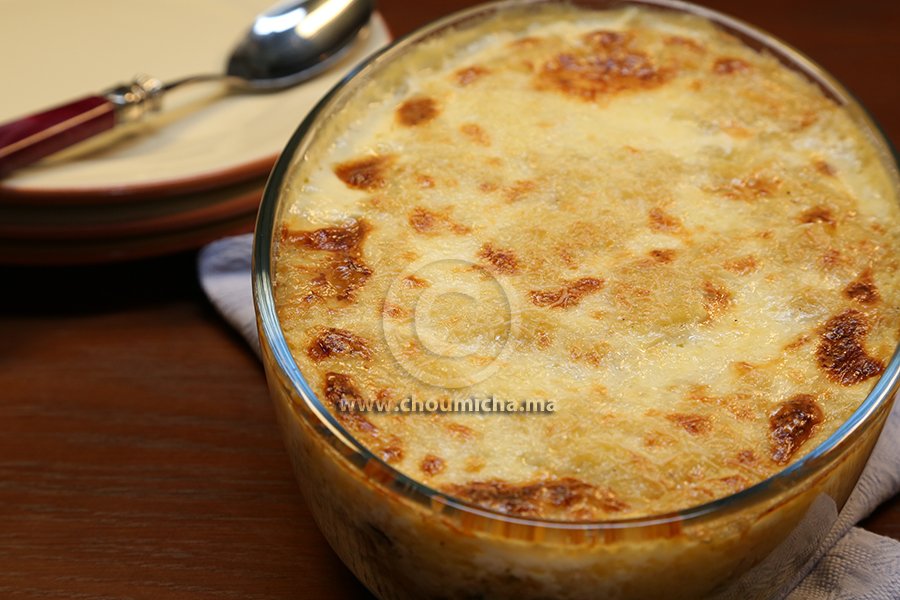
(31, 138)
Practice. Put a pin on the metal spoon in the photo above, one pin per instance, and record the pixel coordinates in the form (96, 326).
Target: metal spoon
(288, 44)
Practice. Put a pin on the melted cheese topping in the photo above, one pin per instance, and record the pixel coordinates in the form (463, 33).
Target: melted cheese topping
(682, 244)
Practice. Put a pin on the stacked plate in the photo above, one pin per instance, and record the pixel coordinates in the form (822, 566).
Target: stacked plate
(184, 177)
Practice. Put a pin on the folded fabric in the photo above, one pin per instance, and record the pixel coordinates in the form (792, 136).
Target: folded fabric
(852, 563)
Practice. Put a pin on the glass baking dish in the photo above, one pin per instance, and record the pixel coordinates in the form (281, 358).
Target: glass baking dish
(406, 540)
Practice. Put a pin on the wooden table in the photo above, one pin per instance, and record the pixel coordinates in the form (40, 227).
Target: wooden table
(138, 451)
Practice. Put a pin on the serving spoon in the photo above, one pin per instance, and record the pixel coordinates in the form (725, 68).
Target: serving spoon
(288, 44)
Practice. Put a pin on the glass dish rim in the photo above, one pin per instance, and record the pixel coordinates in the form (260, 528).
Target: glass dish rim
(272, 335)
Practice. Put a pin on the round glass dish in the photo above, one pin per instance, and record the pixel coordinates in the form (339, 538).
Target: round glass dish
(406, 540)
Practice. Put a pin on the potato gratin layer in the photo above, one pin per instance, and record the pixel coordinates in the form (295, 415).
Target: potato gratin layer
(686, 246)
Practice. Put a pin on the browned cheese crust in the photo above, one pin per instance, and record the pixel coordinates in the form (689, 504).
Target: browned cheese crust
(684, 245)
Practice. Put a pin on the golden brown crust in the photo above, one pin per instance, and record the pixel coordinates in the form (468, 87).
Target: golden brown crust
(663, 255)
(343, 271)
(693, 424)
(663, 222)
(499, 260)
(841, 353)
(366, 173)
(743, 265)
(475, 133)
(547, 498)
(792, 424)
(347, 238)
(606, 64)
(750, 188)
(716, 299)
(470, 74)
(818, 214)
(684, 245)
(567, 295)
(432, 465)
(429, 222)
(346, 400)
(417, 111)
(863, 289)
(332, 342)
(342, 394)
(728, 65)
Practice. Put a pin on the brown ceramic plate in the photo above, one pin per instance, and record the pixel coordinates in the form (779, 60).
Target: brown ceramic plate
(155, 216)
(30, 252)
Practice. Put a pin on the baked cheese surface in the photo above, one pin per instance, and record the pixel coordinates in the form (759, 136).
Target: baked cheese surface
(680, 246)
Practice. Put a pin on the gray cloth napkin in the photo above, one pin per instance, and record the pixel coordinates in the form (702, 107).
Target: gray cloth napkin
(852, 564)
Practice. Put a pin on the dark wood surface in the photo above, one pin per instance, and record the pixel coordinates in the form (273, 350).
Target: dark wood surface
(139, 456)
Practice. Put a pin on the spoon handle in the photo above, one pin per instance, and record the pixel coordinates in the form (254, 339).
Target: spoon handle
(29, 139)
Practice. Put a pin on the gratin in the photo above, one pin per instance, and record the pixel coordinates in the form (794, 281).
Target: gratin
(682, 244)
